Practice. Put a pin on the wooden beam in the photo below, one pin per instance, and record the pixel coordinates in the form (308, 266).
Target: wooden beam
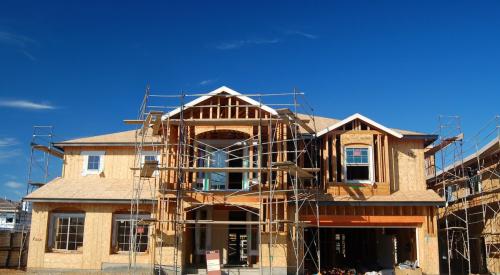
(443, 144)
(288, 115)
(49, 150)
(133, 121)
(365, 220)
(223, 122)
(148, 168)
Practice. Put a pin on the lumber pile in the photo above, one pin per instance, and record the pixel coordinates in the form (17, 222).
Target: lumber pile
(11, 249)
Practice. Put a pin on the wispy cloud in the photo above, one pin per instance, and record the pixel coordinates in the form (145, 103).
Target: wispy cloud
(8, 141)
(20, 42)
(8, 149)
(301, 33)
(13, 184)
(28, 55)
(8, 154)
(206, 82)
(25, 104)
(247, 42)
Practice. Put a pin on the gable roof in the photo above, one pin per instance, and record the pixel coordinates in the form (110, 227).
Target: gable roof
(6, 204)
(217, 91)
(127, 138)
(123, 138)
(362, 118)
(90, 189)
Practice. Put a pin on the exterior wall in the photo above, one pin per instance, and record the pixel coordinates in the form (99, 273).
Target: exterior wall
(428, 250)
(334, 182)
(117, 162)
(407, 165)
(97, 240)
(279, 258)
(399, 163)
(492, 225)
(4, 215)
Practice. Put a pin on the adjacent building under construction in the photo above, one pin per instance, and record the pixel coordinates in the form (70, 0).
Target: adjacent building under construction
(255, 179)
(466, 172)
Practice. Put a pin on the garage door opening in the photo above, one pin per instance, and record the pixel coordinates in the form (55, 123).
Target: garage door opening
(362, 249)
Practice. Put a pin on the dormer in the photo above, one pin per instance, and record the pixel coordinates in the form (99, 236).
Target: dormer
(362, 157)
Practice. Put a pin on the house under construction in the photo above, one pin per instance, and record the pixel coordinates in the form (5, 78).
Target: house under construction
(466, 172)
(256, 177)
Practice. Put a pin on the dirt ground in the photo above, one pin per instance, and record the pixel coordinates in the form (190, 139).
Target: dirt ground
(11, 271)
(4, 271)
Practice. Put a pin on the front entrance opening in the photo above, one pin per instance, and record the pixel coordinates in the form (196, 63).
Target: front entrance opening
(238, 240)
(362, 249)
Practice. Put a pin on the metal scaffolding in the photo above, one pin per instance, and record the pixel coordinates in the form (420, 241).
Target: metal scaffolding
(275, 149)
(42, 154)
(460, 171)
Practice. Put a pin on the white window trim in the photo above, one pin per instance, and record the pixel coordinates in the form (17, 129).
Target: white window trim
(151, 153)
(86, 154)
(370, 169)
(126, 217)
(52, 229)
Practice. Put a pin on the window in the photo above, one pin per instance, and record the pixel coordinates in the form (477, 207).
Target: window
(9, 220)
(67, 231)
(451, 193)
(358, 165)
(122, 239)
(340, 244)
(222, 154)
(150, 156)
(93, 162)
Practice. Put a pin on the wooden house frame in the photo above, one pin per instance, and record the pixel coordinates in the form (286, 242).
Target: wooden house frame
(230, 171)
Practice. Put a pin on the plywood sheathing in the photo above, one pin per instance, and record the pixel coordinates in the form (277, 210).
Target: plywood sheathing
(90, 188)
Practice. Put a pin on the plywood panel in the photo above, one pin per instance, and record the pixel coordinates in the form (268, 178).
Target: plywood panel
(97, 239)
(407, 164)
(117, 162)
(428, 251)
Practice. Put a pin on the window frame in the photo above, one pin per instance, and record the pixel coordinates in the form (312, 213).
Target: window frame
(207, 149)
(114, 240)
(86, 155)
(151, 154)
(371, 163)
(53, 231)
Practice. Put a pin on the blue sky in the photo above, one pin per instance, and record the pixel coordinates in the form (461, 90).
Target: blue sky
(83, 66)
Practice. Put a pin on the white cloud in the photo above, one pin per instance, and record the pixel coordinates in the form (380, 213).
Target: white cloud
(4, 154)
(206, 82)
(21, 42)
(5, 142)
(15, 39)
(303, 34)
(28, 55)
(241, 43)
(25, 104)
(13, 184)
(5, 151)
